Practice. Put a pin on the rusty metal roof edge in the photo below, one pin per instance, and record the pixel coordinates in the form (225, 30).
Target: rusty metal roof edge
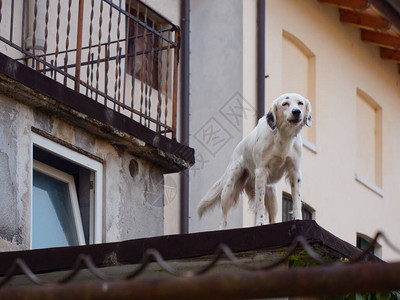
(332, 280)
(66, 96)
(179, 246)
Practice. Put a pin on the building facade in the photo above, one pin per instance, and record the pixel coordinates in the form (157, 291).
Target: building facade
(350, 152)
(88, 122)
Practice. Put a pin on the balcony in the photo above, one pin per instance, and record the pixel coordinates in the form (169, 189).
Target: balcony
(120, 54)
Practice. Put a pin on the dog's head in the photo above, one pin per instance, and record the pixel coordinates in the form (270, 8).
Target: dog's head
(292, 110)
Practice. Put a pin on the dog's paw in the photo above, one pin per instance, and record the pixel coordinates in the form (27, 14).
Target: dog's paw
(297, 215)
(261, 221)
(222, 225)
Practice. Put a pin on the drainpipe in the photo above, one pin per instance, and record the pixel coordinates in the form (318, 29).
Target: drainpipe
(184, 115)
(37, 25)
(260, 58)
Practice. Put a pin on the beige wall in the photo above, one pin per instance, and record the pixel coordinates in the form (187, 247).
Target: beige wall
(340, 69)
(344, 65)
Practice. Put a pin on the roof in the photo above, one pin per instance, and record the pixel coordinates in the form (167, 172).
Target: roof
(123, 269)
(378, 20)
(184, 246)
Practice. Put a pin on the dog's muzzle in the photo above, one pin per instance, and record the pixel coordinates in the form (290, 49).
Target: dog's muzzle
(296, 113)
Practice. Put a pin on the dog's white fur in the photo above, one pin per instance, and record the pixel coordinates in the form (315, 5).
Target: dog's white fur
(272, 149)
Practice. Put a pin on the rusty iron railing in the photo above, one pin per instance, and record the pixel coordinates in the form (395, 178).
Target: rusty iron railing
(120, 53)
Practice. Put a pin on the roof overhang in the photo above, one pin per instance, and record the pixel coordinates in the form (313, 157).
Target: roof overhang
(378, 20)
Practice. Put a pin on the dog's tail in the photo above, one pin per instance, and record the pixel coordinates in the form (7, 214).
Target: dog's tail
(211, 198)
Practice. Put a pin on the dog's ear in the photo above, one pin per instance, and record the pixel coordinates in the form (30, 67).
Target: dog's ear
(271, 120)
(308, 121)
(307, 114)
(271, 116)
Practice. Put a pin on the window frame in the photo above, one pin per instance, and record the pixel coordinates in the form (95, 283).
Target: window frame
(376, 185)
(288, 207)
(308, 142)
(376, 249)
(147, 45)
(96, 202)
(69, 180)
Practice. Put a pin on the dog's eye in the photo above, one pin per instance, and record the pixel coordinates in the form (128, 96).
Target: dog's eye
(285, 104)
(300, 103)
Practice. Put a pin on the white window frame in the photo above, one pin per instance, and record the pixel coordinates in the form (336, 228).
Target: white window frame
(376, 185)
(377, 190)
(96, 204)
(69, 180)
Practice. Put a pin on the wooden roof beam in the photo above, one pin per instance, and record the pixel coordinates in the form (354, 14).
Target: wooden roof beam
(380, 39)
(390, 54)
(348, 4)
(364, 21)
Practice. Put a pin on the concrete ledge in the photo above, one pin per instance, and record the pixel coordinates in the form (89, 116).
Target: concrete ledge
(310, 146)
(377, 190)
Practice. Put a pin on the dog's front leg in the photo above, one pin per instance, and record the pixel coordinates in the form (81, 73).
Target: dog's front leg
(271, 202)
(295, 183)
(260, 184)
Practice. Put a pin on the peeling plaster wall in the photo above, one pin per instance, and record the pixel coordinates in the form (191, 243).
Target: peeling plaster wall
(13, 208)
(132, 199)
(15, 194)
(130, 209)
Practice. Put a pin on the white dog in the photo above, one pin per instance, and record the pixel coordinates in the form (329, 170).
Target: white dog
(273, 149)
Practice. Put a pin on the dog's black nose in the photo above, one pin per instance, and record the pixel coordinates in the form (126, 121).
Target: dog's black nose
(296, 112)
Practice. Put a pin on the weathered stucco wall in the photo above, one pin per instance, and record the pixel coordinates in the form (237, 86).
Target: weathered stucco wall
(132, 196)
(15, 193)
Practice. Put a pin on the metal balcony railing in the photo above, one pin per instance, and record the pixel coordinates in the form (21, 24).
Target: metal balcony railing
(120, 53)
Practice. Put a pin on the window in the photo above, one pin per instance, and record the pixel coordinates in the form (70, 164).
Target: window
(369, 143)
(56, 218)
(66, 196)
(143, 46)
(287, 209)
(363, 242)
(298, 75)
